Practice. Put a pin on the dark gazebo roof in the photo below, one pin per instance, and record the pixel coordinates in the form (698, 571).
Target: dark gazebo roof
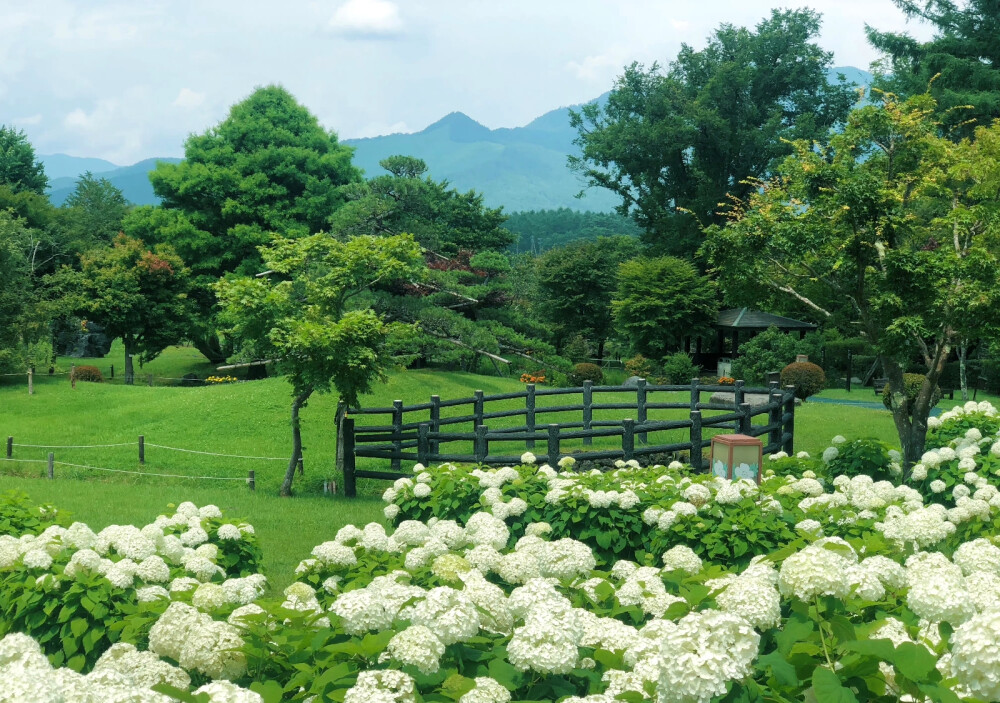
(747, 319)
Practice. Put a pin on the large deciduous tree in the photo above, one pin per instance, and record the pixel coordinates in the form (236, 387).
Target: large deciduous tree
(19, 169)
(661, 301)
(960, 66)
(136, 292)
(673, 144)
(576, 283)
(95, 211)
(308, 315)
(896, 224)
(268, 167)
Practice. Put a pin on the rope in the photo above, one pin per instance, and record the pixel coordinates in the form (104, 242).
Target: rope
(75, 446)
(232, 456)
(27, 461)
(149, 473)
(37, 375)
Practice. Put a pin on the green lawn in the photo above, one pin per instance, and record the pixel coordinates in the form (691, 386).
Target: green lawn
(287, 528)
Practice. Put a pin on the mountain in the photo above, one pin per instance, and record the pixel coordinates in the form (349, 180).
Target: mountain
(65, 166)
(520, 168)
(132, 181)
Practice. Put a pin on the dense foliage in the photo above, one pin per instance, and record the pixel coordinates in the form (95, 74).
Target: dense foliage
(808, 378)
(541, 230)
(675, 144)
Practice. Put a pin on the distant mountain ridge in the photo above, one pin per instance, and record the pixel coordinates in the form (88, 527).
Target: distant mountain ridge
(519, 168)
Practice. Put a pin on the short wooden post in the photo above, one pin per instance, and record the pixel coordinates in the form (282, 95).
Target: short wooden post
(850, 370)
(696, 461)
(435, 422)
(529, 413)
(482, 447)
(112, 372)
(252, 480)
(737, 402)
(628, 438)
(142, 449)
(746, 422)
(640, 404)
(31, 381)
(350, 489)
(302, 464)
(695, 393)
(10, 447)
(477, 409)
(774, 418)
(588, 411)
(553, 444)
(789, 427)
(397, 429)
(52, 466)
(72, 375)
(423, 444)
(149, 379)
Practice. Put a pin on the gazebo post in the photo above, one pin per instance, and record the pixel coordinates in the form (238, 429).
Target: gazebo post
(736, 341)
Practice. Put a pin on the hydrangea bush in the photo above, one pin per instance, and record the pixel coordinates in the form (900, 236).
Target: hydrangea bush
(838, 578)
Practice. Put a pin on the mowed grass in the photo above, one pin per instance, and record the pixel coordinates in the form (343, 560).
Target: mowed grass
(287, 528)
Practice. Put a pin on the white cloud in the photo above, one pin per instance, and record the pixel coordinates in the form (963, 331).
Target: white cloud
(367, 18)
(377, 129)
(78, 119)
(188, 99)
(603, 68)
(680, 25)
(30, 120)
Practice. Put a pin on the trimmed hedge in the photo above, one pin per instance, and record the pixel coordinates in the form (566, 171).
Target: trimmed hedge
(807, 377)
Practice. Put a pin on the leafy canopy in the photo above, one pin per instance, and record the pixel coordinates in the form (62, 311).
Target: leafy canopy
(660, 301)
(20, 171)
(673, 144)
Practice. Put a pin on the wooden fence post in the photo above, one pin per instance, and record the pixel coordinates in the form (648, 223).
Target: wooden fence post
(588, 411)
(397, 428)
(696, 461)
(628, 438)
(435, 422)
(553, 444)
(302, 464)
(477, 409)
(52, 466)
(112, 372)
(482, 447)
(149, 379)
(142, 449)
(31, 381)
(746, 422)
(640, 404)
(350, 489)
(72, 375)
(10, 447)
(423, 444)
(695, 393)
(252, 480)
(789, 427)
(529, 413)
(774, 418)
(737, 402)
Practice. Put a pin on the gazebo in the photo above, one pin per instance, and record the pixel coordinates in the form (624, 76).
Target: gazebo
(732, 322)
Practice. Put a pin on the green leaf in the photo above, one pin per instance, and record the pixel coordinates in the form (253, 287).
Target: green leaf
(270, 691)
(828, 689)
(797, 628)
(78, 626)
(914, 661)
(783, 672)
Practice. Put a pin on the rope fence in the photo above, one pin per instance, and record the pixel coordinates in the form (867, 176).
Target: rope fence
(141, 444)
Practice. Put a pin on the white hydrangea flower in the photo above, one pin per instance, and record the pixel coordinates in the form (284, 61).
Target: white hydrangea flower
(417, 646)
(682, 558)
(528, 458)
(382, 686)
(229, 532)
(487, 690)
(975, 657)
(818, 571)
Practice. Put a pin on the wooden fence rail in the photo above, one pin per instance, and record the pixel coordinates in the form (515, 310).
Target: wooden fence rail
(426, 439)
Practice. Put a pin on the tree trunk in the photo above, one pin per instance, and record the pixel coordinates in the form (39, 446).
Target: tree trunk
(963, 354)
(600, 349)
(339, 422)
(212, 347)
(911, 418)
(297, 403)
(129, 372)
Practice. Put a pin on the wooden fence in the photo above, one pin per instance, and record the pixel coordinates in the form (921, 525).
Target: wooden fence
(425, 439)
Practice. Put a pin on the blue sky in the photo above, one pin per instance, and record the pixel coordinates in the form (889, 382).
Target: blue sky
(129, 79)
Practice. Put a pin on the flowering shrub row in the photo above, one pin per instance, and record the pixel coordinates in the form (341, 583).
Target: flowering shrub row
(20, 516)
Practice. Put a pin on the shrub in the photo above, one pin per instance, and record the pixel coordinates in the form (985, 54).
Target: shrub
(808, 378)
(88, 373)
(586, 372)
(912, 382)
(864, 457)
(639, 365)
(771, 350)
(679, 368)
(19, 516)
(577, 349)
